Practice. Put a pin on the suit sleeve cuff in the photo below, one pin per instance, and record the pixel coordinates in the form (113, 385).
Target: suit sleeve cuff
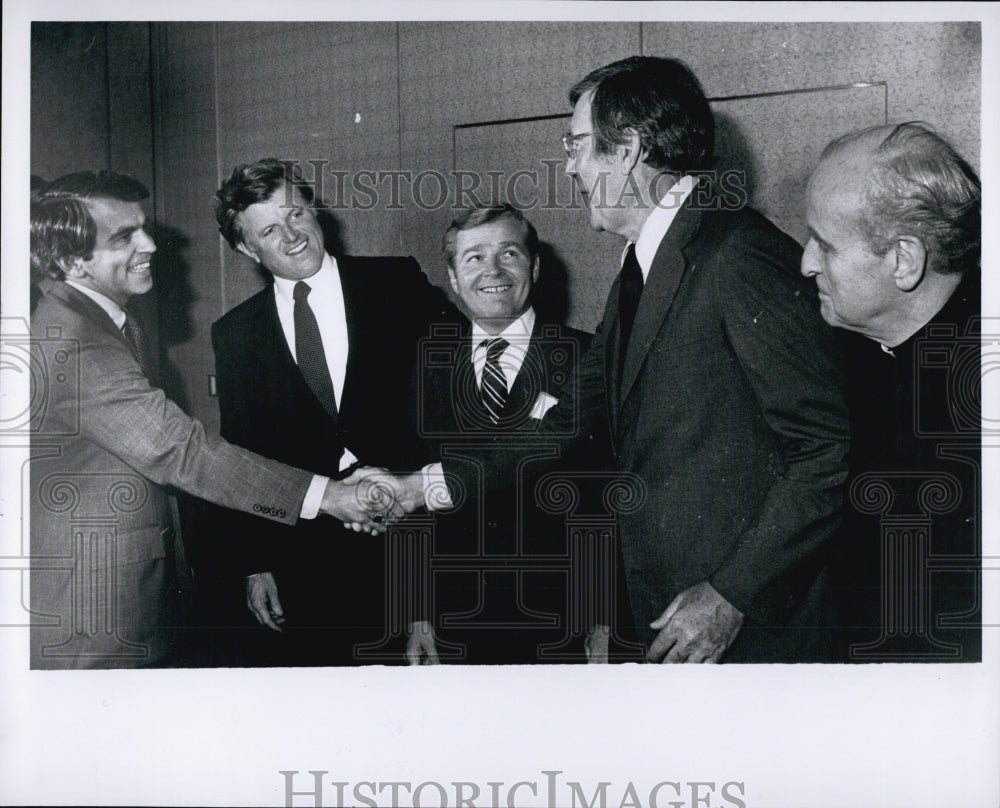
(436, 496)
(314, 497)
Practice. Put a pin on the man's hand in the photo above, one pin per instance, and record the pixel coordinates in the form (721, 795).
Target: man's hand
(698, 626)
(361, 502)
(420, 646)
(387, 497)
(596, 645)
(262, 600)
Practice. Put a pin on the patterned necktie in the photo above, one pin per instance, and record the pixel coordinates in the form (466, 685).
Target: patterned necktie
(309, 353)
(494, 385)
(137, 341)
(629, 292)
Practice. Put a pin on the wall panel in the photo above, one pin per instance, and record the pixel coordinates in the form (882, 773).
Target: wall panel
(932, 69)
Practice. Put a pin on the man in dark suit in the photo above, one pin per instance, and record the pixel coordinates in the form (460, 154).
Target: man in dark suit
(501, 592)
(717, 382)
(107, 443)
(315, 370)
(894, 246)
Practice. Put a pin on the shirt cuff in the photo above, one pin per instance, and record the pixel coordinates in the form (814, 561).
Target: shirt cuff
(314, 497)
(436, 495)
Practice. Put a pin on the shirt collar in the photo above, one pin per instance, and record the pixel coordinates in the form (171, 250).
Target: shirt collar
(325, 279)
(658, 222)
(113, 310)
(517, 333)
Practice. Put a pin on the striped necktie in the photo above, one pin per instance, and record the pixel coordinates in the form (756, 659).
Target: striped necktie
(494, 385)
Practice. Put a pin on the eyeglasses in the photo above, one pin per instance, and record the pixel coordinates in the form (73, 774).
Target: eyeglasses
(571, 143)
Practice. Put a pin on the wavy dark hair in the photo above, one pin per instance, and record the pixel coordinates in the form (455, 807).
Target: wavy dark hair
(250, 184)
(62, 228)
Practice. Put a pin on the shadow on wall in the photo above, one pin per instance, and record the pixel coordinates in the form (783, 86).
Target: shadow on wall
(550, 294)
(733, 159)
(174, 298)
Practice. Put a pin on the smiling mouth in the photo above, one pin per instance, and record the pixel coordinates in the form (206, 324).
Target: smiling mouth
(298, 248)
(495, 290)
(140, 269)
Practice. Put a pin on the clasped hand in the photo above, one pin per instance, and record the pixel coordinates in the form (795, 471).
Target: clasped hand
(371, 499)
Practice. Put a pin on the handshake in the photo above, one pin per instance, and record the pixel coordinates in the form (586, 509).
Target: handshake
(371, 499)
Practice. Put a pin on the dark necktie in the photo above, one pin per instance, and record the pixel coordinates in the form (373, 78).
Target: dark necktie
(494, 386)
(137, 341)
(629, 292)
(309, 353)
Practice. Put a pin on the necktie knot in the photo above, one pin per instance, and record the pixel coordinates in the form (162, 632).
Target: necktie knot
(301, 291)
(495, 348)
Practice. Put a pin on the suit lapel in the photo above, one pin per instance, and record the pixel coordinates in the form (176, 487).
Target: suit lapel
(525, 389)
(87, 308)
(665, 275)
(355, 293)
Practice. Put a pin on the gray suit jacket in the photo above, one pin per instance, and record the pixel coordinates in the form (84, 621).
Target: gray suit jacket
(105, 444)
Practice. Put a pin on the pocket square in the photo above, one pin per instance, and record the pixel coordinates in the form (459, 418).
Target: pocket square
(542, 405)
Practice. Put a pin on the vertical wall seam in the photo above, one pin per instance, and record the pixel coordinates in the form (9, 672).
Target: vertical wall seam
(399, 131)
(156, 155)
(218, 159)
(107, 93)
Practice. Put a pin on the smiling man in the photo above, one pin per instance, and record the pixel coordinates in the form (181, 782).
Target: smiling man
(503, 598)
(715, 379)
(108, 443)
(314, 367)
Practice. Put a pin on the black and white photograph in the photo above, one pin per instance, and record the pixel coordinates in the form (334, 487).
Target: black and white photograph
(550, 348)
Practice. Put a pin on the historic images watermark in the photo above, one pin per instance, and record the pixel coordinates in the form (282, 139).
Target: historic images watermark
(314, 789)
(543, 187)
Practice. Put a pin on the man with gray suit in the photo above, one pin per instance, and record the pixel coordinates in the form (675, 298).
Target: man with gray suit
(715, 378)
(108, 443)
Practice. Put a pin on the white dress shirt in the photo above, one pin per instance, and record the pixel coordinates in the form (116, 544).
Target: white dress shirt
(518, 336)
(658, 223)
(326, 299)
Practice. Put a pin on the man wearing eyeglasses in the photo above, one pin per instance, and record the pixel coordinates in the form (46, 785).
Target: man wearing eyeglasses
(716, 379)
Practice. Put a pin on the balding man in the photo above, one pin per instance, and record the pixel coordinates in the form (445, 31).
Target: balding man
(894, 247)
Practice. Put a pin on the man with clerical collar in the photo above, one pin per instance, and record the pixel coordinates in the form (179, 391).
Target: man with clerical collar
(894, 247)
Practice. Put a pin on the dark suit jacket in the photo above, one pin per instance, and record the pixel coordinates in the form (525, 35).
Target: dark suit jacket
(502, 579)
(908, 568)
(324, 573)
(106, 443)
(730, 414)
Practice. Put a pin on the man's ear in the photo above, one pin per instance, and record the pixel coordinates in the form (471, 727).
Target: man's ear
(71, 267)
(911, 262)
(453, 280)
(243, 248)
(630, 151)
(536, 265)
